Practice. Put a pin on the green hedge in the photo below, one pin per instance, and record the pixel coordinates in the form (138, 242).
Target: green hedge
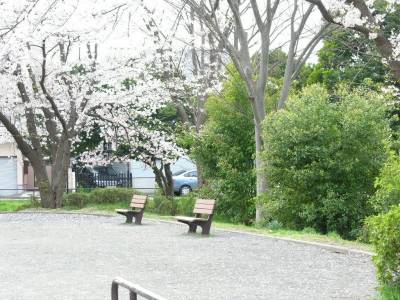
(384, 233)
(163, 206)
(76, 199)
(114, 195)
(99, 196)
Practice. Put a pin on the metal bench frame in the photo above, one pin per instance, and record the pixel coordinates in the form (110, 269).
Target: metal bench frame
(137, 205)
(202, 207)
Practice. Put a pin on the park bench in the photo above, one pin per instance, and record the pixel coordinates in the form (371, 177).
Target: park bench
(137, 206)
(203, 214)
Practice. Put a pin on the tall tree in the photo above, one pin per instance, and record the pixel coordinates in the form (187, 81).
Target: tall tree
(254, 26)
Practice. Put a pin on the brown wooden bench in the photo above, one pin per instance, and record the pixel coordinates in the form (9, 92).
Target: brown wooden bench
(204, 212)
(137, 206)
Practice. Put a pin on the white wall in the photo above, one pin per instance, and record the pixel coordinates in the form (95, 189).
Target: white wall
(11, 150)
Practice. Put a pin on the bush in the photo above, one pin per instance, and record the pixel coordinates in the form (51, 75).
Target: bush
(388, 292)
(184, 205)
(322, 157)
(388, 185)
(225, 150)
(160, 205)
(76, 199)
(111, 195)
(384, 233)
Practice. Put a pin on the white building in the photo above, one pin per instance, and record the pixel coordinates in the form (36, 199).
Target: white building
(16, 175)
(11, 169)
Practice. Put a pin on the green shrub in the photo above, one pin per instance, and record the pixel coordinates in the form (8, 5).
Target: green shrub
(111, 195)
(322, 157)
(160, 205)
(226, 150)
(388, 292)
(388, 185)
(384, 233)
(35, 202)
(184, 205)
(76, 199)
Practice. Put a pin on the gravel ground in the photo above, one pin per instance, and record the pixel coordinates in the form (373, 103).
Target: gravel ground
(59, 256)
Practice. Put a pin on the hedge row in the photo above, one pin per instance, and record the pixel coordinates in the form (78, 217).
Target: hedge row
(158, 204)
(99, 196)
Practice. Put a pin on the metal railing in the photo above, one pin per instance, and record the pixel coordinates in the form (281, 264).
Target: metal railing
(134, 290)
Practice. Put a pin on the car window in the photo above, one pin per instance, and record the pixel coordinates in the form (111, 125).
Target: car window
(179, 172)
(191, 174)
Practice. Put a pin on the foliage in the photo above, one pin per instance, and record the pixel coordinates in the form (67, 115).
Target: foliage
(384, 234)
(388, 185)
(322, 158)
(388, 292)
(76, 199)
(185, 205)
(111, 195)
(347, 57)
(160, 205)
(226, 150)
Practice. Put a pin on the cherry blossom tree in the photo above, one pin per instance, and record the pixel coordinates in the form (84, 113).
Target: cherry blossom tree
(368, 18)
(49, 78)
(131, 122)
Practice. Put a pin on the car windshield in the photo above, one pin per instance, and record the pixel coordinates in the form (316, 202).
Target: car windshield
(178, 172)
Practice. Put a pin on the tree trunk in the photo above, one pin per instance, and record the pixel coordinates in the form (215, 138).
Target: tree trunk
(169, 182)
(43, 183)
(200, 177)
(261, 180)
(164, 181)
(258, 106)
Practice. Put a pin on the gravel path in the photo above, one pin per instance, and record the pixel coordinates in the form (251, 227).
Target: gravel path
(73, 257)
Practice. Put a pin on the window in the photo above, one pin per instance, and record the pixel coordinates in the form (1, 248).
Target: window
(191, 174)
(179, 172)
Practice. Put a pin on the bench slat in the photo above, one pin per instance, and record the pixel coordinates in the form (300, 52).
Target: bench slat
(138, 201)
(205, 201)
(138, 205)
(203, 211)
(204, 206)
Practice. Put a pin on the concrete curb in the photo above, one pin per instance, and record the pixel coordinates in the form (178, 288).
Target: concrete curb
(328, 247)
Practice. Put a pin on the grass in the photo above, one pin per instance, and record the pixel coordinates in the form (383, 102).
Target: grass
(389, 293)
(14, 205)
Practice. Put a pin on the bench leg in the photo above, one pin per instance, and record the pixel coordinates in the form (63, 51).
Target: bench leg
(205, 229)
(129, 218)
(192, 228)
(138, 218)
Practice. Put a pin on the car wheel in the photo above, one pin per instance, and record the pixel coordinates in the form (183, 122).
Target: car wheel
(184, 190)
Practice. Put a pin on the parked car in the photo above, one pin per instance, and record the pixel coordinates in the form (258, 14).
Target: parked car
(185, 181)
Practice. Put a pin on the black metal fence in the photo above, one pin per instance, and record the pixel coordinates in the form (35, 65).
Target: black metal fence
(90, 180)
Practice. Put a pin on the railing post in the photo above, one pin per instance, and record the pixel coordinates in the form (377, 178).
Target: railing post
(114, 291)
(132, 295)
